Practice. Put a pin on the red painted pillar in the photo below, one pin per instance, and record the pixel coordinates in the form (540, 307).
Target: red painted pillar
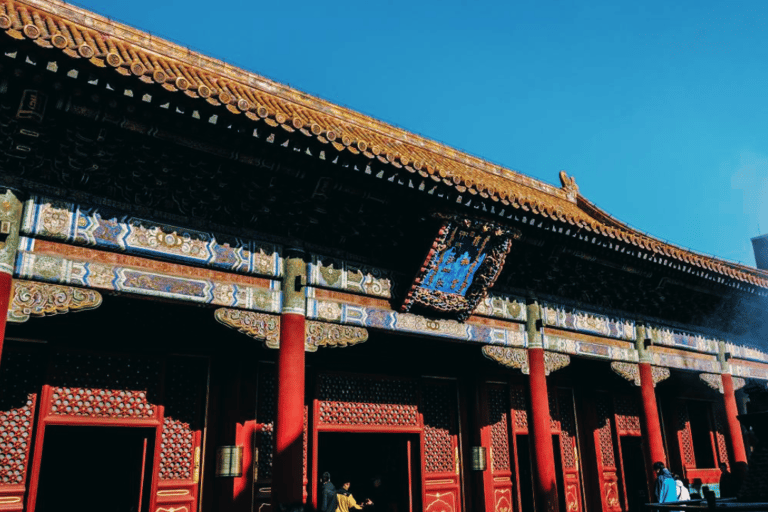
(731, 413)
(650, 416)
(649, 413)
(544, 482)
(544, 468)
(288, 460)
(10, 219)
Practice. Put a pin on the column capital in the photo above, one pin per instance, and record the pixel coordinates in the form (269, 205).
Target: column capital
(722, 357)
(10, 219)
(641, 337)
(294, 283)
(533, 323)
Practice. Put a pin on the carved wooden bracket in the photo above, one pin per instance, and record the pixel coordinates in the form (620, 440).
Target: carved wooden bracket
(323, 334)
(266, 328)
(518, 358)
(260, 326)
(715, 381)
(631, 372)
(30, 298)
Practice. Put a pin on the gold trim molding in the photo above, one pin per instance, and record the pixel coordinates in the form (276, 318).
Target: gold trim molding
(266, 328)
(260, 326)
(715, 381)
(322, 334)
(30, 298)
(631, 372)
(518, 358)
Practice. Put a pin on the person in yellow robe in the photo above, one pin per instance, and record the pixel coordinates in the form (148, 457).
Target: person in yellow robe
(347, 502)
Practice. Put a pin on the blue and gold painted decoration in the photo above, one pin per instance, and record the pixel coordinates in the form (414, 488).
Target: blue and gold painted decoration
(463, 263)
(387, 320)
(113, 230)
(60, 269)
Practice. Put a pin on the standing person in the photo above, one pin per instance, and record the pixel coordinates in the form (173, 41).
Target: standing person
(347, 501)
(682, 490)
(666, 490)
(726, 482)
(328, 501)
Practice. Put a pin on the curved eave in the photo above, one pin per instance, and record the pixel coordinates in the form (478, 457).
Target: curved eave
(80, 34)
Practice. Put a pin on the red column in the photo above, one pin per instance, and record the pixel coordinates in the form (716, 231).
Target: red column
(288, 459)
(650, 416)
(731, 413)
(544, 467)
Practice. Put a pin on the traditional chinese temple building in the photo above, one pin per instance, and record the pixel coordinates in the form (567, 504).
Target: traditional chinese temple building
(218, 288)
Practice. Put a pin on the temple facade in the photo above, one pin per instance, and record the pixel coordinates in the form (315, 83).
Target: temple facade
(217, 288)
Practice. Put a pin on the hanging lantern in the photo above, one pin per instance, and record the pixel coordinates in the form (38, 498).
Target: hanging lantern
(229, 461)
(479, 458)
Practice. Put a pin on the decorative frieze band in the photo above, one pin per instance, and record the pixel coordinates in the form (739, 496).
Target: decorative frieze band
(266, 328)
(505, 308)
(631, 372)
(590, 349)
(113, 230)
(110, 276)
(388, 320)
(592, 323)
(518, 358)
(29, 298)
(681, 339)
(362, 279)
(322, 334)
(715, 381)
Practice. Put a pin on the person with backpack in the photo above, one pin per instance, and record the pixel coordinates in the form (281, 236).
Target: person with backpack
(328, 500)
(666, 489)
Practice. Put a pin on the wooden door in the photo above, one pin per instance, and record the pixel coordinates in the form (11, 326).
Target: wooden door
(440, 451)
(498, 480)
(603, 438)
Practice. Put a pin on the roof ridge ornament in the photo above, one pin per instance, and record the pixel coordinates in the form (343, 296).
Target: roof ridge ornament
(569, 186)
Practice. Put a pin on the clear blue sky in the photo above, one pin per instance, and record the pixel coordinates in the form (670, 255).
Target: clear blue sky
(658, 108)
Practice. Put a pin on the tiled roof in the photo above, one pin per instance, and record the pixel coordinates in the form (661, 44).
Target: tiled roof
(107, 44)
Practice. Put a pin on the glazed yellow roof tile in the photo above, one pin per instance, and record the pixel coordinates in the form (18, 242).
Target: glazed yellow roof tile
(105, 43)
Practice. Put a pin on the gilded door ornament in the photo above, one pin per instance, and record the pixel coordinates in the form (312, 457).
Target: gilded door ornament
(29, 298)
(322, 334)
(260, 326)
(518, 358)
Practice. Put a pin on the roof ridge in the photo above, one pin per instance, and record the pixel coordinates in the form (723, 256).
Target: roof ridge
(609, 220)
(123, 31)
(81, 34)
